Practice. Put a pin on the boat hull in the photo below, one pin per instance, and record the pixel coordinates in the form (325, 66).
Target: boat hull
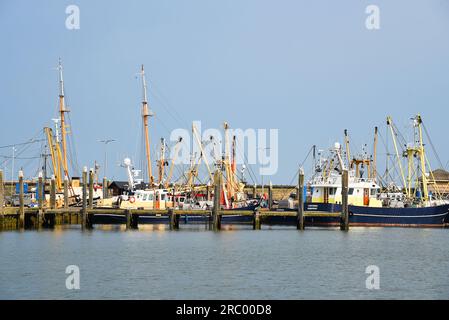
(435, 216)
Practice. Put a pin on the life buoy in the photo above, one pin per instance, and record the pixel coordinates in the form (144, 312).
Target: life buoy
(132, 199)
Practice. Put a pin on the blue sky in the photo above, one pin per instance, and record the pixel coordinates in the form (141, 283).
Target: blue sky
(308, 68)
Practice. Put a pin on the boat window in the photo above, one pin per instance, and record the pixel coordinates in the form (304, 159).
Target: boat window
(351, 191)
(150, 198)
(332, 191)
(162, 197)
(145, 197)
(373, 192)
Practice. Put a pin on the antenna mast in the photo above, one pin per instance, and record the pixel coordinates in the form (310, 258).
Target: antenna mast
(375, 154)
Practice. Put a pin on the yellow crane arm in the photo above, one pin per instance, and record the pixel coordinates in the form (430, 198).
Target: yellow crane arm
(390, 124)
(55, 153)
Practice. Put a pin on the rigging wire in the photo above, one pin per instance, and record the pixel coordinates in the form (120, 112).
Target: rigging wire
(297, 174)
(440, 163)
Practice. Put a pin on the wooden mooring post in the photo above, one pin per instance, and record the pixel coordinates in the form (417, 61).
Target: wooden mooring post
(2, 200)
(300, 225)
(91, 188)
(21, 221)
(132, 220)
(40, 191)
(257, 225)
(254, 191)
(216, 217)
(85, 220)
(53, 193)
(2, 193)
(208, 191)
(270, 196)
(105, 188)
(174, 219)
(40, 200)
(344, 221)
(66, 192)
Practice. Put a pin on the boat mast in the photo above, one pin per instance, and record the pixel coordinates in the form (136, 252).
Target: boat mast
(162, 161)
(145, 115)
(62, 112)
(203, 155)
(234, 164)
(348, 151)
(422, 157)
(390, 125)
(173, 160)
(228, 169)
(375, 154)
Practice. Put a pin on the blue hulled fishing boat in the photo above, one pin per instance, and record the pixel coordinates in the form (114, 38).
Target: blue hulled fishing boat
(372, 200)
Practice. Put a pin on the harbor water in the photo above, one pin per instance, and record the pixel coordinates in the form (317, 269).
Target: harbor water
(235, 263)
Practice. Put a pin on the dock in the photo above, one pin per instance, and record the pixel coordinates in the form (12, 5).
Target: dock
(13, 219)
(22, 218)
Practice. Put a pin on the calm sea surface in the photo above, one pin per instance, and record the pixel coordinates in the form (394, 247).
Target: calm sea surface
(237, 263)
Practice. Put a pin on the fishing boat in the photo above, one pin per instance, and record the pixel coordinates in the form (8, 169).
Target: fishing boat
(189, 194)
(370, 202)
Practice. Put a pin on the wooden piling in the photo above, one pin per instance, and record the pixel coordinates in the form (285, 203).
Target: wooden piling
(344, 221)
(91, 189)
(84, 202)
(254, 191)
(2, 201)
(2, 193)
(300, 196)
(21, 221)
(40, 192)
(66, 192)
(175, 200)
(270, 196)
(128, 219)
(40, 200)
(53, 193)
(174, 219)
(105, 188)
(208, 192)
(132, 220)
(216, 219)
(256, 221)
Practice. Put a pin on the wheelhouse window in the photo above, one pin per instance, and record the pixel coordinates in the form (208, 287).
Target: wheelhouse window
(351, 191)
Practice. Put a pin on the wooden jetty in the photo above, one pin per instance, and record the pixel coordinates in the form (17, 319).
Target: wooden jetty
(16, 218)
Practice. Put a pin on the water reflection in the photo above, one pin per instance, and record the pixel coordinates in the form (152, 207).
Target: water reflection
(235, 263)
